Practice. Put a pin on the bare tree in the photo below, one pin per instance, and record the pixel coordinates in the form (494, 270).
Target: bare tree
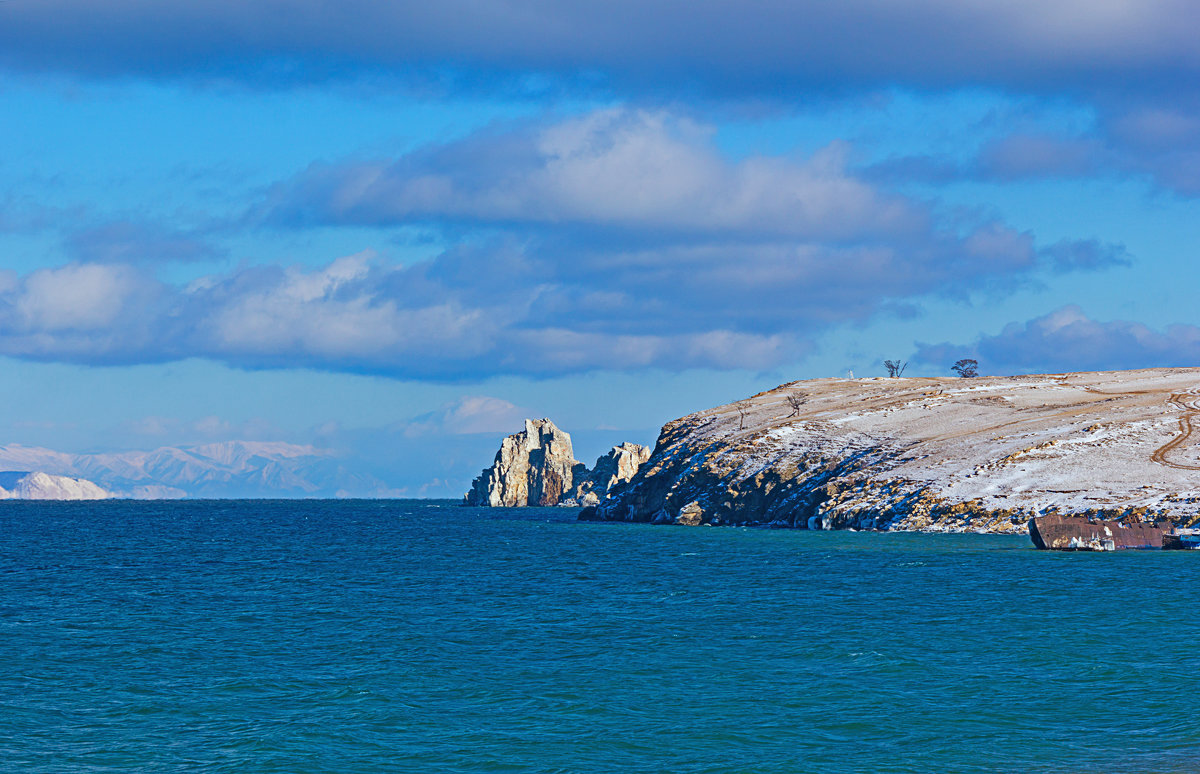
(966, 368)
(741, 410)
(796, 400)
(895, 368)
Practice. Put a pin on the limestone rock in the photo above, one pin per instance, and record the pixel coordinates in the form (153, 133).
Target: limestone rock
(616, 467)
(533, 467)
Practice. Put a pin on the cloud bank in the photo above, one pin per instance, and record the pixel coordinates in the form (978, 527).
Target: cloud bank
(618, 240)
(723, 47)
(1153, 141)
(1068, 340)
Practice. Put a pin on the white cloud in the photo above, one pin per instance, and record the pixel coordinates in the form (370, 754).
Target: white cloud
(78, 296)
(1067, 339)
(468, 415)
(631, 170)
(622, 239)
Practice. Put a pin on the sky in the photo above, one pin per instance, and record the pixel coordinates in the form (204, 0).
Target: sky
(394, 230)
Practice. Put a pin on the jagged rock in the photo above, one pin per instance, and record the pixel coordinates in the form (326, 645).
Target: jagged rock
(616, 467)
(690, 515)
(936, 454)
(533, 467)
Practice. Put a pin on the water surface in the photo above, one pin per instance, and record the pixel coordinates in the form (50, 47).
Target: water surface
(312, 636)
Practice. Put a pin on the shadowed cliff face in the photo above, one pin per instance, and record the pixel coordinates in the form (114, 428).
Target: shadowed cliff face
(980, 454)
(616, 467)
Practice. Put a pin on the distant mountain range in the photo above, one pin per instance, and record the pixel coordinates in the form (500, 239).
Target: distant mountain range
(229, 469)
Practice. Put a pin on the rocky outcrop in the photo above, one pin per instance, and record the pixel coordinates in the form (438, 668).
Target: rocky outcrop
(977, 454)
(22, 485)
(533, 467)
(537, 467)
(616, 467)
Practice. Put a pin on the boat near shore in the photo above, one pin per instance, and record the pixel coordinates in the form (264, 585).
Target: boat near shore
(1054, 532)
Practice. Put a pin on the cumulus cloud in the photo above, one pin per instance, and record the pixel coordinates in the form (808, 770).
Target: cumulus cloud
(630, 170)
(347, 316)
(467, 415)
(82, 313)
(618, 240)
(716, 46)
(1068, 340)
(622, 214)
(447, 319)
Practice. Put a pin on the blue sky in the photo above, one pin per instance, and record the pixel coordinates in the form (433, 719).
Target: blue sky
(394, 230)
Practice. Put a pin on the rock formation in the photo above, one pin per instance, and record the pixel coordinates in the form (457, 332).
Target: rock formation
(21, 485)
(948, 454)
(616, 467)
(533, 467)
(538, 467)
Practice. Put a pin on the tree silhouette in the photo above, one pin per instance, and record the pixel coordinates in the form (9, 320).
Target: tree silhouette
(741, 410)
(966, 368)
(894, 368)
(796, 400)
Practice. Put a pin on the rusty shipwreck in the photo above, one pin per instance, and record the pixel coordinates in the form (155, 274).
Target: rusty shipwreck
(1079, 533)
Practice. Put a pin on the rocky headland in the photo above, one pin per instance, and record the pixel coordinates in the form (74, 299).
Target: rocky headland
(537, 466)
(937, 454)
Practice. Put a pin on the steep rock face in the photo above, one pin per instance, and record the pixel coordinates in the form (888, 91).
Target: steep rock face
(533, 467)
(21, 485)
(616, 467)
(981, 454)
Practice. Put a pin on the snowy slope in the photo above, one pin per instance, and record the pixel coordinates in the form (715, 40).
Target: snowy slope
(22, 485)
(949, 453)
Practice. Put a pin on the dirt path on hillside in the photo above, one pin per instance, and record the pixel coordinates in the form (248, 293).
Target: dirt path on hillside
(1178, 400)
(1190, 411)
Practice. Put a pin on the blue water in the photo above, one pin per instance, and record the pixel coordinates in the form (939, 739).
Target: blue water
(413, 636)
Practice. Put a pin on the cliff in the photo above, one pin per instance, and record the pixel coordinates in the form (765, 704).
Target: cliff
(947, 454)
(537, 466)
(533, 467)
(612, 469)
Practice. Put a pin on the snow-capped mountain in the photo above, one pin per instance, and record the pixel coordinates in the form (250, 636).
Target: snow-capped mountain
(23, 485)
(229, 469)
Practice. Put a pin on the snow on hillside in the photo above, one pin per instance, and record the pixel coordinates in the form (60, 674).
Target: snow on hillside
(931, 453)
(22, 485)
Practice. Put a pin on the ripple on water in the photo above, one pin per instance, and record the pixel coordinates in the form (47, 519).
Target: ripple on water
(315, 636)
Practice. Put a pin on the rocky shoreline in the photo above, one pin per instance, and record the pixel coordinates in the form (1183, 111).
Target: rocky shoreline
(957, 455)
(944, 455)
